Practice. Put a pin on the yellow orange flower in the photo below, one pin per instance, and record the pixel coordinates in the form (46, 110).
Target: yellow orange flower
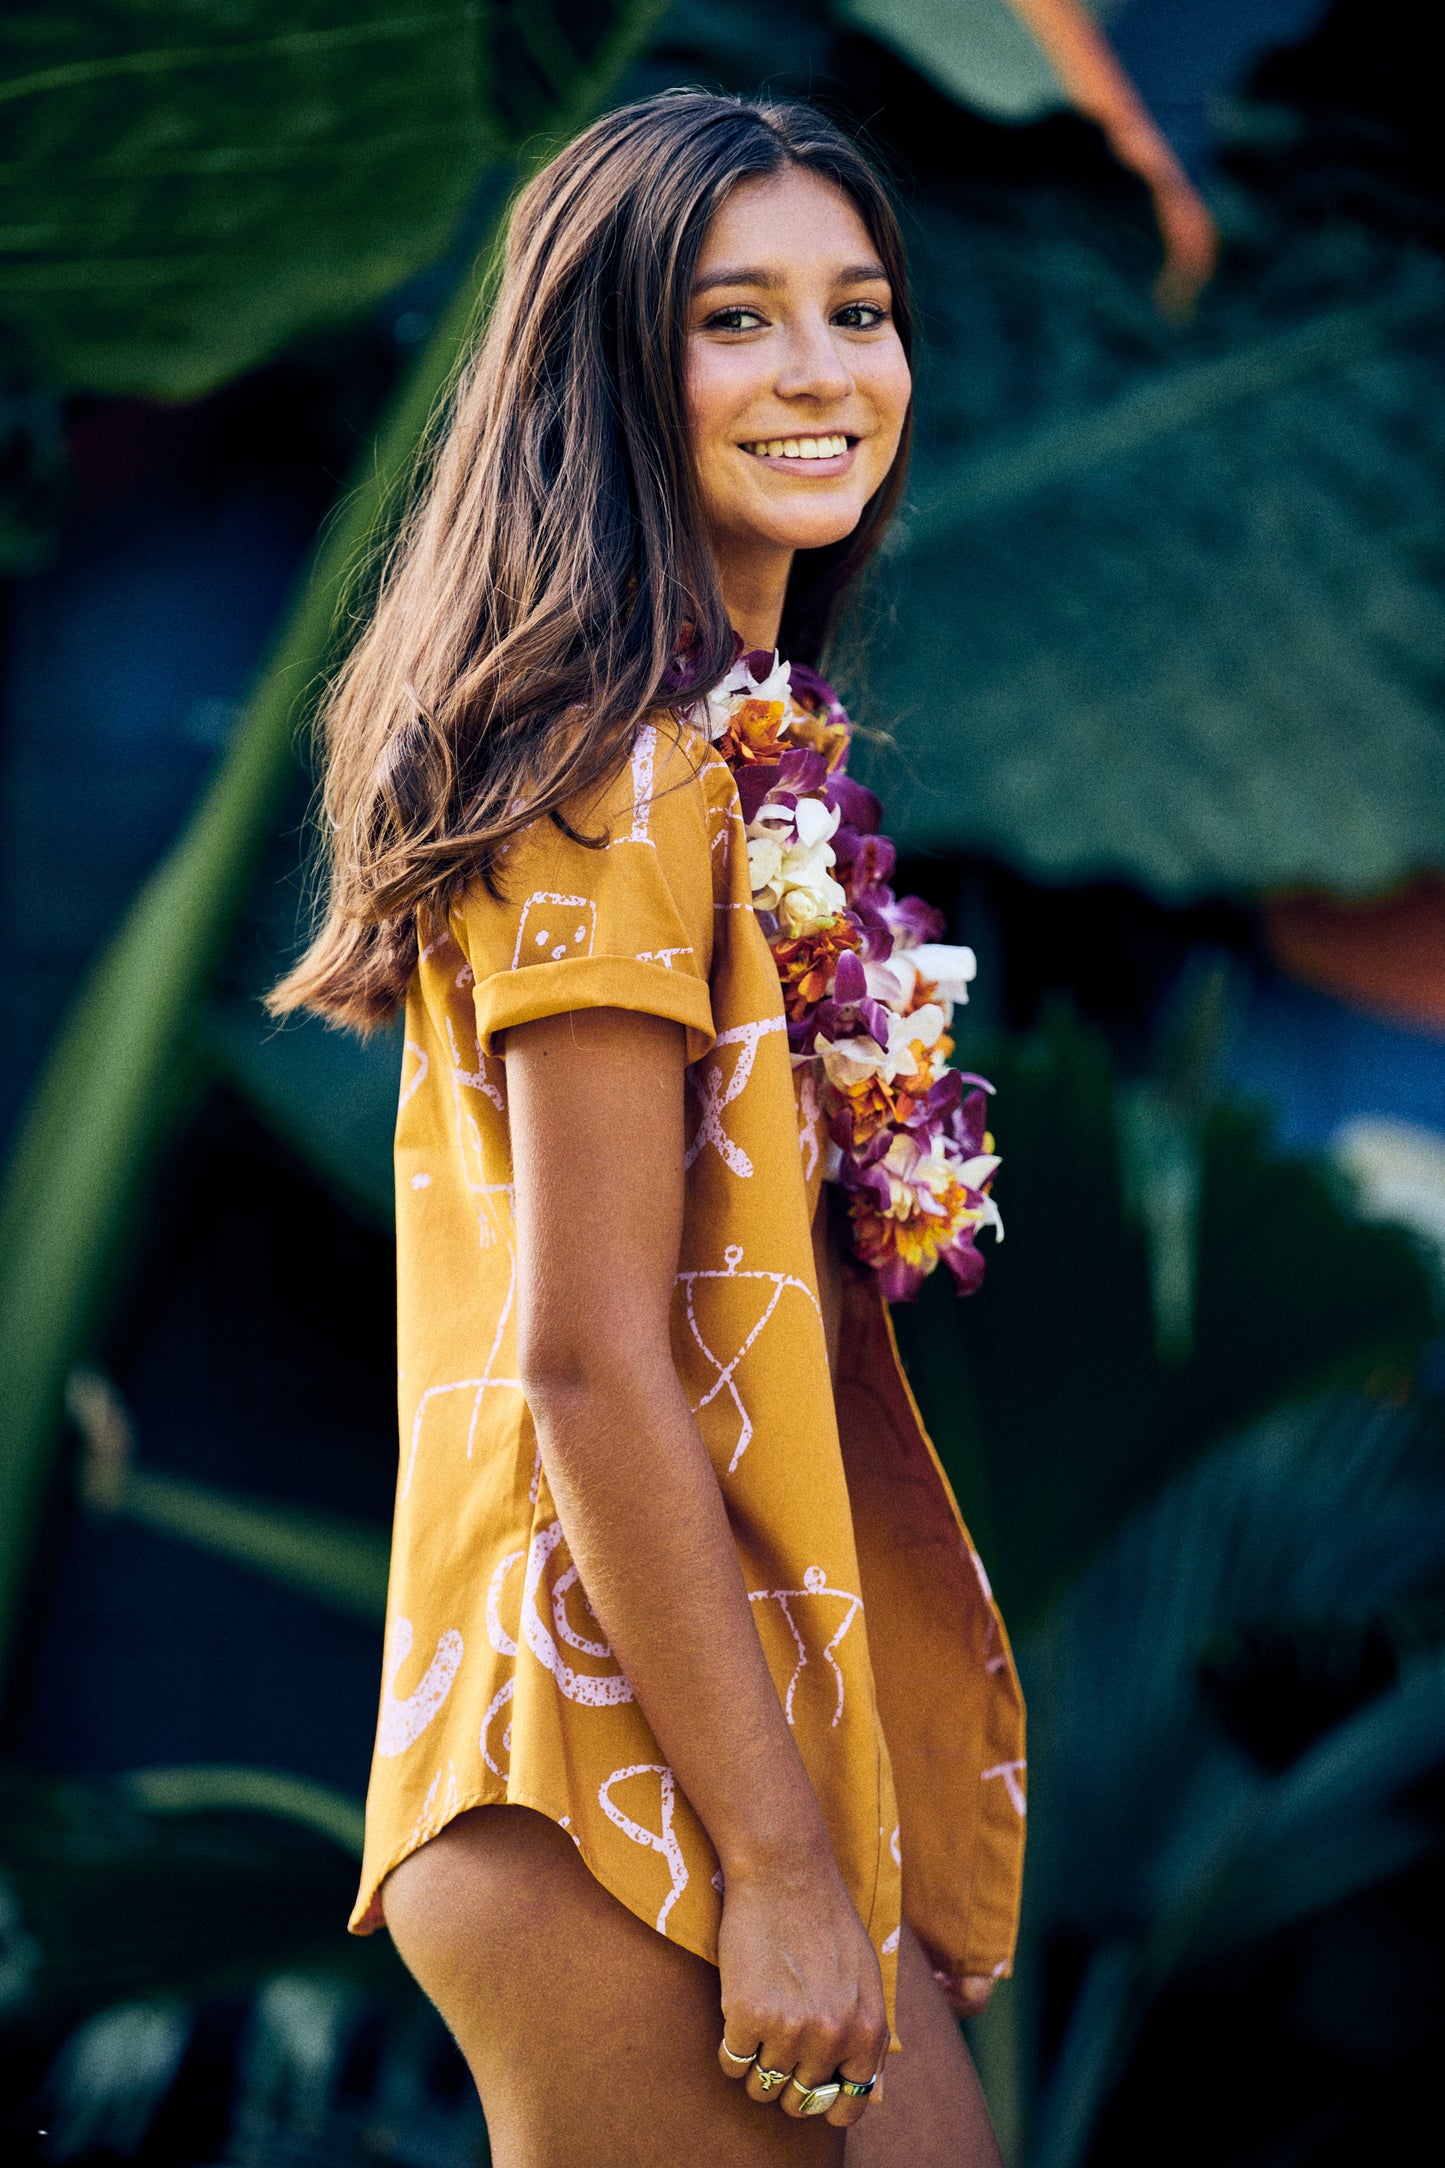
(829, 739)
(807, 963)
(752, 732)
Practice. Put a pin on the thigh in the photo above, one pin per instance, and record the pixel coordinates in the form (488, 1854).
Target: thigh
(933, 2113)
(590, 2036)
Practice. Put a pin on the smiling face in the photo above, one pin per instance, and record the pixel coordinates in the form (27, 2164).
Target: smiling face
(797, 383)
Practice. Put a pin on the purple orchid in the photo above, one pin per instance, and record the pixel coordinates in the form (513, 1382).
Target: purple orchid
(912, 921)
(817, 689)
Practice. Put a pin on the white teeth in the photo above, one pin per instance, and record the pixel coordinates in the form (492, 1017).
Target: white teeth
(798, 447)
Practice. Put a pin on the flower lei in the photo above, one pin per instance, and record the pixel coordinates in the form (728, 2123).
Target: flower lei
(868, 988)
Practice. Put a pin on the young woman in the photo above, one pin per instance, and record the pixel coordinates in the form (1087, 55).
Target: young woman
(700, 1744)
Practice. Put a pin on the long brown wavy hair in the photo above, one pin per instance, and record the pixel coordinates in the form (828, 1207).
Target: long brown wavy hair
(554, 567)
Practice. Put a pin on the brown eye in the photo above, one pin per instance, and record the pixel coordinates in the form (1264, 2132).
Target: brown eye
(734, 319)
(861, 316)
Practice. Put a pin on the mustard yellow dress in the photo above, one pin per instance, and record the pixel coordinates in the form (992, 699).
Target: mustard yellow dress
(887, 1650)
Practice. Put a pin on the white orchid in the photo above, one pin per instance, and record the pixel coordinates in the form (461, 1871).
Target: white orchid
(713, 714)
(890, 982)
(789, 854)
(919, 1180)
(851, 1062)
(946, 968)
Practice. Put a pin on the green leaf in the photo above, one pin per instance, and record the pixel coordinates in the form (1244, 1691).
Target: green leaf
(327, 1094)
(189, 188)
(215, 1788)
(1156, 1840)
(1047, 1393)
(174, 1882)
(336, 1561)
(123, 1069)
(977, 50)
(1181, 629)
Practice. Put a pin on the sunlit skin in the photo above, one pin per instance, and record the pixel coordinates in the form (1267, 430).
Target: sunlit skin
(591, 2036)
(790, 335)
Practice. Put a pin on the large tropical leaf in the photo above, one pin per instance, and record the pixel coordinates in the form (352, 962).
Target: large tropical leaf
(175, 1882)
(978, 50)
(123, 1065)
(1048, 1393)
(1167, 606)
(327, 1094)
(1158, 1841)
(187, 188)
(338, 1562)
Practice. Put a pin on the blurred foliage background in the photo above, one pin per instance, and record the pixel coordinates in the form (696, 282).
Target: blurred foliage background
(1156, 665)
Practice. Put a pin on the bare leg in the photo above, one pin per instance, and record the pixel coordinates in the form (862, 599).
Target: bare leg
(591, 2037)
(933, 2113)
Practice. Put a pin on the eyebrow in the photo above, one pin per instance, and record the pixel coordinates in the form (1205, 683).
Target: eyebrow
(857, 274)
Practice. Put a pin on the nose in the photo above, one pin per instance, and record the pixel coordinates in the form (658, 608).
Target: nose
(814, 365)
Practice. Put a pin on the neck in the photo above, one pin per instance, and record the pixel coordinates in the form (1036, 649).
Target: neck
(754, 581)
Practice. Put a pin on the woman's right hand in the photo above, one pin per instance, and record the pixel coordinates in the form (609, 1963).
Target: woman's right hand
(801, 1988)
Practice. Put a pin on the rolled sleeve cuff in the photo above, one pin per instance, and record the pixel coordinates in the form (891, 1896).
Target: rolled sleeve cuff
(509, 998)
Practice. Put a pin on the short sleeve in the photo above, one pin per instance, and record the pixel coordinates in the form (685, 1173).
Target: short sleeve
(626, 926)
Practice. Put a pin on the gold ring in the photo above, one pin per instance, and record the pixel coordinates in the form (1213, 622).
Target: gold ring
(743, 2062)
(769, 2078)
(859, 2088)
(817, 2099)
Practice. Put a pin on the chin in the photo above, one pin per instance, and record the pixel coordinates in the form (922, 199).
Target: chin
(819, 529)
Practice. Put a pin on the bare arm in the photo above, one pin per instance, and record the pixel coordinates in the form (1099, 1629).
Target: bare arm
(596, 1110)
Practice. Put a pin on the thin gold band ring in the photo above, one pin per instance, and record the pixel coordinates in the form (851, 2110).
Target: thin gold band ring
(742, 2062)
(816, 2099)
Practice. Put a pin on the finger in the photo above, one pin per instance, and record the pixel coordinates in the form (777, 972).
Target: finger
(768, 2078)
(972, 1993)
(733, 2063)
(804, 2099)
(850, 2108)
(815, 2087)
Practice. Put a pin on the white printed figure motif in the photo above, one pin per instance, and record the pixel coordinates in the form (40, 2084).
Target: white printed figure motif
(815, 1584)
(477, 1078)
(477, 1387)
(661, 956)
(553, 929)
(663, 1840)
(810, 1115)
(706, 1079)
(502, 1699)
(726, 1380)
(494, 1205)
(592, 1690)
(644, 755)
(1011, 1771)
(497, 1633)
(566, 1631)
(504, 1645)
(443, 938)
(411, 1085)
(994, 1658)
(403, 1722)
(433, 1817)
